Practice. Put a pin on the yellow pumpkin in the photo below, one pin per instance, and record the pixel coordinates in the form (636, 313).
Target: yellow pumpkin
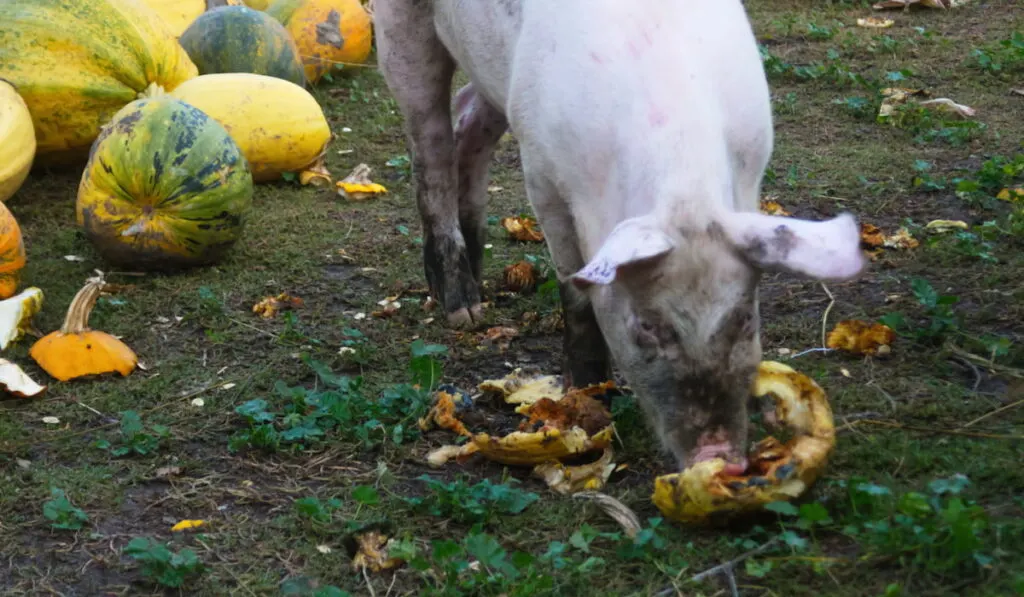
(17, 141)
(258, 4)
(327, 32)
(277, 124)
(179, 14)
(12, 253)
(77, 62)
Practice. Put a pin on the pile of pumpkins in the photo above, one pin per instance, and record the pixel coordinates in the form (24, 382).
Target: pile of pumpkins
(174, 107)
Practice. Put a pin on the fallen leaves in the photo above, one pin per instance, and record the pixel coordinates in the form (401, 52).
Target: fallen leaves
(861, 338)
(520, 277)
(357, 186)
(372, 552)
(769, 206)
(16, 382)
(875, 23)
(186, 525)
(897, 96)
(270, 306)
(522, 228)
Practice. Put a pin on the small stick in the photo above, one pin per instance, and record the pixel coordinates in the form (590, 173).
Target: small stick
(996, 411)
(369, 585)
(725, 568)
(824, 318)
(940, 431)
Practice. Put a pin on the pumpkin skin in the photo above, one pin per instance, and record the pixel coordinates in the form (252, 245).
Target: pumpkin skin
(165, 187)
(257, 4)
(277, 124)
(12, 253)
(327, 32)
(179, 14)
(238, 39)
(76, 63)
(17, 141)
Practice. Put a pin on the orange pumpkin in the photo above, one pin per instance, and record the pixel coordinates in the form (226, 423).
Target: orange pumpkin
(327, 32)
(12, 253)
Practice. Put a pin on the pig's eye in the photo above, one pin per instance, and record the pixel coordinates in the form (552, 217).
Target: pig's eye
(646, 334)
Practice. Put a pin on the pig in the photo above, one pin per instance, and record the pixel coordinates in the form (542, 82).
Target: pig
(644, 131)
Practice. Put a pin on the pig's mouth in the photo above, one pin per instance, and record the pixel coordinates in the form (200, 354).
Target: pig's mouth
(736, 463)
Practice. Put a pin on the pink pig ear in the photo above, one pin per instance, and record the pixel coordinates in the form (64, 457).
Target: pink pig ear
(827, 250)
(632, 242)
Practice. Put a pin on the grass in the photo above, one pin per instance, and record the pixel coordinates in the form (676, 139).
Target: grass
(291, 436)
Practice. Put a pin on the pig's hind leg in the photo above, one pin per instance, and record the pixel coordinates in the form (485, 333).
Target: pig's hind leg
(418, 70)
(478, 128)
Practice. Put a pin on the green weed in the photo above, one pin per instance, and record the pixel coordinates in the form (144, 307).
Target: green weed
(134, 438)
(471, 503)
(159, 565)
(61, 513)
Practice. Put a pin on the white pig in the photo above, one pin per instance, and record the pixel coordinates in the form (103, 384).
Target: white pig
(644, 130)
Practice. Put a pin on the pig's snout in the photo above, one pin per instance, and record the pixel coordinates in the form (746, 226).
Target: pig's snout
(711, 445)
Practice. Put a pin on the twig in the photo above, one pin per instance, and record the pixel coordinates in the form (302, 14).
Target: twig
(726, 568)
(994, 412)
(89, 408)
(824, 318)
(369, 585)
(938, 431)
(987, 363)
(810, 350)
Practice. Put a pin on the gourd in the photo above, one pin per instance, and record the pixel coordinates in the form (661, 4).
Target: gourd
(179, 14)
(327, 32)
(12, 253)
(277, 124)
(238, 39)
(17, 141)
(165, 187)
(76, 63)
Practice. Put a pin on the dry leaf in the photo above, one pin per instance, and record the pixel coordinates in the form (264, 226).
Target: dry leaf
(187, 524)
(522, 229)
(372, 553)
(900, 240)
(357, 186)
(17, 383)
(871, 236)
(520, 277)
(859, 337)
(621, 513)
(324, 549)
(946, 225)
(51, 420)
(771, 207)
(168, 471)
(566, 480)
(875, 23)
(16, 314)
(1013, 195)
(271, 305)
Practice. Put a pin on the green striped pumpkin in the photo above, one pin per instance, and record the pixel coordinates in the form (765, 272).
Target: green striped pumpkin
(165, 187)
(238, 39)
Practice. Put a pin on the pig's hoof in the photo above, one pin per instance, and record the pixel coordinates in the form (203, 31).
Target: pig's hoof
(463, 318)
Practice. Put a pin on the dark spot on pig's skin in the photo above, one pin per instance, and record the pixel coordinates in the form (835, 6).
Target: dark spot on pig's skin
(776, 248)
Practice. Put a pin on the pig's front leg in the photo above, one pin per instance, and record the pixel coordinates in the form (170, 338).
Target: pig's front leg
(586, 360)
(418, 70)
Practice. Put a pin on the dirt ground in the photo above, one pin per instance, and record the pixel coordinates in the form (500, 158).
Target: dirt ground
(891, 516)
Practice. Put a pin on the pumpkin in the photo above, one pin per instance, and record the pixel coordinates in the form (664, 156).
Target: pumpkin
(12, 253)
(277, 124)
(327, 32)
(76, 351)
(257, 4)
(179, 14)
(165, 187)
(76, 63)
(238, 39)
(17, 141)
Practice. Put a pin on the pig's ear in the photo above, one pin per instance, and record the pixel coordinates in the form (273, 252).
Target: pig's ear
(827, 250)
(633, 242)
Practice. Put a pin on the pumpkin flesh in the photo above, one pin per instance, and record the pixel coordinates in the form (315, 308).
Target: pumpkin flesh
(77, 63)
(165, 187)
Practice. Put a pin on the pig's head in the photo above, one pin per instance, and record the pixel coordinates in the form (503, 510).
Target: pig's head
(679, 310)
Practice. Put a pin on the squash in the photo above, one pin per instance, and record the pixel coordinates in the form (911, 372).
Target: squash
(165, 187)
(76, 351)
(327, 32)
(76, 63)
(17, 141)
(12, 253)
(257, 4)
(179, 14)
(238, 39)
(278, 125)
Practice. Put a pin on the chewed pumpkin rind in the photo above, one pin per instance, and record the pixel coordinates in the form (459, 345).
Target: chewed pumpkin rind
(777, 471)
